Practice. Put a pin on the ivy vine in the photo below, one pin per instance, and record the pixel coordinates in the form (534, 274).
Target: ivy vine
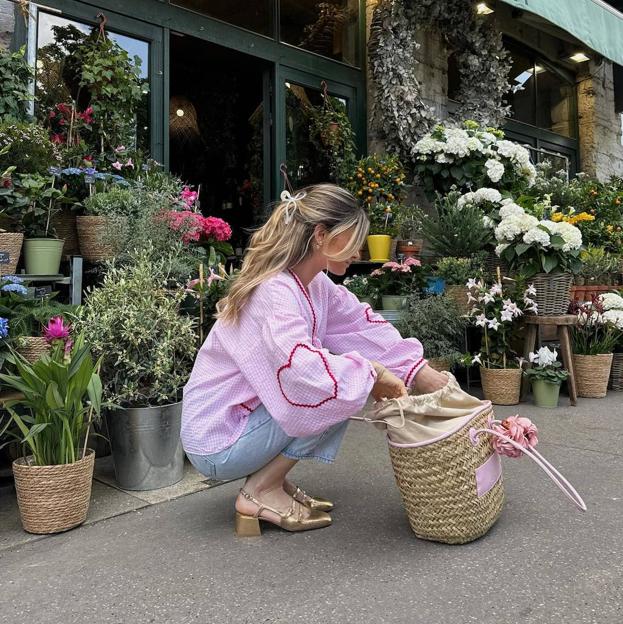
(482, 61)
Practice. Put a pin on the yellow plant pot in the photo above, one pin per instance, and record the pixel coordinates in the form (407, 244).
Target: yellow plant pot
(379, 246)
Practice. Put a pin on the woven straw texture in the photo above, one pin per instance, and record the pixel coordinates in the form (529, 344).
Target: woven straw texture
(35, 347)
(11, 242)
(501, 386)
(491, 264)
(616, 374)
(52, 499)
(437, 483)
(592, 373)
(552, 293)
(64, 223)
(440, 364)
(92, 231)
(458, 294)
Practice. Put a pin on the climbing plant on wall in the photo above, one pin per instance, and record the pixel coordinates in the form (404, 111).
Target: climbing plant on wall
(483, 66)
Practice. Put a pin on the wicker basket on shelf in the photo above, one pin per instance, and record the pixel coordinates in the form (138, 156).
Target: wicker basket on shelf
(458, 294)
(64, 223)
(11, 243)
(552, 293)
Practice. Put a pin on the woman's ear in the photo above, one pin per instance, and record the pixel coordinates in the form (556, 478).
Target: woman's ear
(320, 232)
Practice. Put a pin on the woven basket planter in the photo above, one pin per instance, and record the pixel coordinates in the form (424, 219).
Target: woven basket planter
(592, 373)
(501, 386)
(11, 242)
(437, 483)
(491, 264)
(458, 294)
(552, 293)
(64, 223)
(616, 373)
(52, 499)
(440, 364)
(35, 347)
(94, 236)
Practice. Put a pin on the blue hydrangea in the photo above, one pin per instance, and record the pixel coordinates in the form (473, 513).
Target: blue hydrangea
(16, 288)
(13, 279)
(4, 327)
(55, 171)
(72, 171)
(90, 171)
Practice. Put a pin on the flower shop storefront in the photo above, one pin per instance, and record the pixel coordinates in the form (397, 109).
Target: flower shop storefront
(227, 90)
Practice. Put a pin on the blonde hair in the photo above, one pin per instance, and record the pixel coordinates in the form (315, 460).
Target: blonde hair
(285, 239)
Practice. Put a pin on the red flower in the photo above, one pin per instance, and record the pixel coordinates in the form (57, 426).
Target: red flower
(57, 138)
(216, 228)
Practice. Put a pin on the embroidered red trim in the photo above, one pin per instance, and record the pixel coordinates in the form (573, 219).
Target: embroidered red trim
(368, 310)
(408, 377)
(326, 365)
(309, 301)
(246, 407)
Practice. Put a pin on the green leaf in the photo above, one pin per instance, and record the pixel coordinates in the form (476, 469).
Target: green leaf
(549, 263)
(53, 397)
(94, 390)
(521, 248)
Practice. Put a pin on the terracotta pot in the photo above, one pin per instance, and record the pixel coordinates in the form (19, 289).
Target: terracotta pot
(410, 248)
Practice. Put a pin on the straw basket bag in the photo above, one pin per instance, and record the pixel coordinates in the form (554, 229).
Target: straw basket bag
(448, 474)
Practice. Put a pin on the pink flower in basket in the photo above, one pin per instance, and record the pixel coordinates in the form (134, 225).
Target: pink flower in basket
(520, 430)
(56, 329)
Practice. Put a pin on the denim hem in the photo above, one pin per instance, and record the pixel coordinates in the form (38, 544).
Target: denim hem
(320, 458)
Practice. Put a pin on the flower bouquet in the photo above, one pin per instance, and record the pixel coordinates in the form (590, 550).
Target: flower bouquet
(394, 281)
(546, 375)
(496, 311)
(594, 337)
(362, 287)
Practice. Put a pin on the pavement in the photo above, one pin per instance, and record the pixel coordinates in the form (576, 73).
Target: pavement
(178, 562)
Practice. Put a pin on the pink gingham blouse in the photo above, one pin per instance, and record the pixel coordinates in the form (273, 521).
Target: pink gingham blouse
(302, 353)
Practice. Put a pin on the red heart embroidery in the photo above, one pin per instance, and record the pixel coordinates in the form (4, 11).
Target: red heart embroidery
(370, 320)
(315, 367)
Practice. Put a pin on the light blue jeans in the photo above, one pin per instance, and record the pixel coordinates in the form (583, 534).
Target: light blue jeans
(261, 441)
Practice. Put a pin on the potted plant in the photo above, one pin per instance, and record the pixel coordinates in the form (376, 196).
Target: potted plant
(394, 281)
(456, 272)
(409, 225)
(437, 323)
(363, 288)
(11, 241)
(496, 310)
(546, 375)
(594, 273)
(60, 396)
(382, 230)
(594, 338)
(544, 251)
(147, 348)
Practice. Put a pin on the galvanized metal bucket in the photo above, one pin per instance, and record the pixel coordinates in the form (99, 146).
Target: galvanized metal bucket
(146, 447)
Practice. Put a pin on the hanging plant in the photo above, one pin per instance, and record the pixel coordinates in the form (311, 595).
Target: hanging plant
(332, 134)
(482, 61)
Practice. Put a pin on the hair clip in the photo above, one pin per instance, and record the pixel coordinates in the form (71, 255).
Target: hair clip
(291, 200)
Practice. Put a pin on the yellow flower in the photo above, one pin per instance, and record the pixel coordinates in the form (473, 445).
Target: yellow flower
(557, 216)
(610, 228)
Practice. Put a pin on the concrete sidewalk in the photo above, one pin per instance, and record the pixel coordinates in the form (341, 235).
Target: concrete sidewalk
(179, 562)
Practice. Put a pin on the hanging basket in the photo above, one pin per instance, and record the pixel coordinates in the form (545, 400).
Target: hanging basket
(458, 294)
(64, 223)
(501, 386)
(11, 243)
(34, 348)
(52, 499)
(552, 293)
(616, 373)
(592, 373)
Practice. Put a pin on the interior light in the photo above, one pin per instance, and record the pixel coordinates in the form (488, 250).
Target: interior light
(579, 57)
(180, 112)
(287, 85)
(482, 8)
(538, 69)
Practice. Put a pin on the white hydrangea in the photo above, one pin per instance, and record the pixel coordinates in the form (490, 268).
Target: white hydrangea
(612, 301)
(487, 195)
(537, 235)
(428, 145)
(528, 222)
(511, 209)
(615, 317)
(508, 228)
(529, 172)
(474, 144)
(487, 137)
(443, 158)
(467, 198)
(570, 234)
(495, 169)
(506, 148)
(500, 248)
(488, 222)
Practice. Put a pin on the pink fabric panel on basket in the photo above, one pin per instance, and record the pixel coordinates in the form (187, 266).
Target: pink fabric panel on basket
(488, 474)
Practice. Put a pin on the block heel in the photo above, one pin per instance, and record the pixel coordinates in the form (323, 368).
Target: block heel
(247, 526)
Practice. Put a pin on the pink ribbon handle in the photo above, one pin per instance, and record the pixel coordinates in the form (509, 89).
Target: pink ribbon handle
(567, 489)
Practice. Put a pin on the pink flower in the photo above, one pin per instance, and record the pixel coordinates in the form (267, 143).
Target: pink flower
(130, 163)
(120, 148)
(394, 266)
(189, 223)
(412, 262)
(377, 273)
(213, 277)
(521, 430)
(117, 165)
(56, 329)
(216, 228)
(189, 197)
(57, 138)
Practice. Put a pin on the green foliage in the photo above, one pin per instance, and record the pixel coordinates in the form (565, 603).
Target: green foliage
(456, 271)
(409, 222)
(359, 285)
(378, 178)
(383, 218)
(15, 75)
(554, 373)
(436, 322)
(61, 394)
(26, 147)
(331, 132)
(594, 333)
(134, 325)
(456, 231)
(597, 265)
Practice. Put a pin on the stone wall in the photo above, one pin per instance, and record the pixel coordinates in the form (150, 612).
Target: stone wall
(7, 22)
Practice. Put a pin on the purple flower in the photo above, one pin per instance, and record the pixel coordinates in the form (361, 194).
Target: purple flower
(56, 329)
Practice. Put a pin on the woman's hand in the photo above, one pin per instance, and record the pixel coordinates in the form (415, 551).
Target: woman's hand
(428, 380)
(387, 385)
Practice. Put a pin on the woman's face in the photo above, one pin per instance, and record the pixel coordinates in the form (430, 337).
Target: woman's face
(336, 247)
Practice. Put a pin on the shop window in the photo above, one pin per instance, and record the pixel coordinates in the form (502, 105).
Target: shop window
(326, 28)
(57, 77)
(255, 16)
